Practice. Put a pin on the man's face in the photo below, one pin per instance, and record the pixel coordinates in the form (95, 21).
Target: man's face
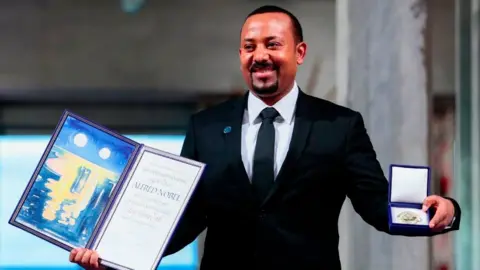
(269, 54)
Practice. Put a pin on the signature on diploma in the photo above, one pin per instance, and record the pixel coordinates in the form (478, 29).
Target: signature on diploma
(161, 192)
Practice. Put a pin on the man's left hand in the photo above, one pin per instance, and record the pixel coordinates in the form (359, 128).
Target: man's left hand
(444, 211)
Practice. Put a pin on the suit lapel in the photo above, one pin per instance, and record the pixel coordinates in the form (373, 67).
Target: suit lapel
(232, 133)
(301, 131)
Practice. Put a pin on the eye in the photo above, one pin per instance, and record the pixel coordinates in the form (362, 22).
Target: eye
(273, 44)
(248, 47)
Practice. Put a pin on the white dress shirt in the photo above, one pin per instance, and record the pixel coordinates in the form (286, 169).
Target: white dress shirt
(283, 128)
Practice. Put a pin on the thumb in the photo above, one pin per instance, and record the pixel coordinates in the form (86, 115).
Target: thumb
(439, 216)
(429, 202)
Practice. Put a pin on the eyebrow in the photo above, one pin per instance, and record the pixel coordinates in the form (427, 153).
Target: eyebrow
(267, 38)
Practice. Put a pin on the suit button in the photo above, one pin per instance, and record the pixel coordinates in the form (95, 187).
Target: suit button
(262, 213)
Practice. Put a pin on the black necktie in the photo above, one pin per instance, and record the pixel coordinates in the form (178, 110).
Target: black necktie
(263, 174)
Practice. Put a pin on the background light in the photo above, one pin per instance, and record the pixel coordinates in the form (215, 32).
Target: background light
(19, 156)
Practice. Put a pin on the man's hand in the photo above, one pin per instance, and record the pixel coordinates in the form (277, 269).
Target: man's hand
(444, 211)
(86, 258)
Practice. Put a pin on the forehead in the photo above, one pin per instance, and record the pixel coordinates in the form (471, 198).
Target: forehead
(267, 24)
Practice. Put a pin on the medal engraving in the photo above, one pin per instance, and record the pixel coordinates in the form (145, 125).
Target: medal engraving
(409, 217)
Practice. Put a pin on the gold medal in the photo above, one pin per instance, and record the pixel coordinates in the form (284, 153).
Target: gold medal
(409, 217)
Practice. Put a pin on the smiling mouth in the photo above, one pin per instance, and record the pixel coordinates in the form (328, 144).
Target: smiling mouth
(267, 71)
(264, 73)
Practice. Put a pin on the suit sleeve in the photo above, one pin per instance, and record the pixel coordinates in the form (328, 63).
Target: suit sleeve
(193, 221)
(367, 185)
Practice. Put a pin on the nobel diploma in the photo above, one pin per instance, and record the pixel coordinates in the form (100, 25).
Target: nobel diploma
(96, 189)
(145, 217)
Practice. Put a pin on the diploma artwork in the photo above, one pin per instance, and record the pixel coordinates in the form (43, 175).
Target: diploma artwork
(97, 189)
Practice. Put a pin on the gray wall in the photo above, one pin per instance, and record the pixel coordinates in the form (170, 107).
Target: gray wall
(175, 46)
(169, 46)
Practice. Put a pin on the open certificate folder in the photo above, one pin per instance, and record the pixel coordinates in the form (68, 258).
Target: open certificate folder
(97, 189)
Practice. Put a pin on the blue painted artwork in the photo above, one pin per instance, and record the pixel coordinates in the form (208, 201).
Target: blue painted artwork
(75, 183)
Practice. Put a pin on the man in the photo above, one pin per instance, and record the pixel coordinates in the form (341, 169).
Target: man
(280, 165)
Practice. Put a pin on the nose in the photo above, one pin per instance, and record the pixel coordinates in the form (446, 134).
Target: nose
(261, 55)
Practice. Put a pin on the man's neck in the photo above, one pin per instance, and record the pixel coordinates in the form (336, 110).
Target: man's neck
(270, 101)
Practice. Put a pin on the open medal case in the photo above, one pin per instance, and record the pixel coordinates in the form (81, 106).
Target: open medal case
(409, 186)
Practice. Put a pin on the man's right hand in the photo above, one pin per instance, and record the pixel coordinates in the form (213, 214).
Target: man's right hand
(86, 258)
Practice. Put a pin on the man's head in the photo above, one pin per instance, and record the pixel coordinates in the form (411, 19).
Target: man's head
(271, 47)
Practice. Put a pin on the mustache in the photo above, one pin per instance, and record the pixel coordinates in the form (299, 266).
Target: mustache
(262, 65)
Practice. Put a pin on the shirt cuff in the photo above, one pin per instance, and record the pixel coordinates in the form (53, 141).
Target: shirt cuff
(451, 224)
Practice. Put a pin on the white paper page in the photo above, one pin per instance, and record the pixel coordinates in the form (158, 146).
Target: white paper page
(147, 211)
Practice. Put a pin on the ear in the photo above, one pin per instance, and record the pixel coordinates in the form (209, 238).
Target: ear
(240, 58)
(301, 51)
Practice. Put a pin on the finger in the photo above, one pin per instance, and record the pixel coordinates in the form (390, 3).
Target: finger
(94, 259)
(429, 202)
(442, 223)
(79, 256)
(433, 223)
(440, 216)
(439, 227)
(73, 253)
(86, 257)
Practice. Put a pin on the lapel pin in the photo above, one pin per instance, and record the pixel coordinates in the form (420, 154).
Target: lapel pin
(227, 129)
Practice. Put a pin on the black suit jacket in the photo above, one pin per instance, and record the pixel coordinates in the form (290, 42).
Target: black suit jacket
(296, 227)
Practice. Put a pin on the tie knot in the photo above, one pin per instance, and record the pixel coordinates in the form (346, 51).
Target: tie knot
(269, 113)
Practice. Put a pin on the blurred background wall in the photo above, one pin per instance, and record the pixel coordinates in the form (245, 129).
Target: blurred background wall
(175, 48)
(145, 72)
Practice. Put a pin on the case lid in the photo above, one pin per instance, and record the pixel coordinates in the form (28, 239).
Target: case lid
(409, 184)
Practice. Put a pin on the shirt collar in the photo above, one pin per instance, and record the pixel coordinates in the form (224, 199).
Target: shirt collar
(285, 106)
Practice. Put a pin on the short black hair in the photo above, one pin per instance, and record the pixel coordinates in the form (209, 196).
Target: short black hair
(297, 27)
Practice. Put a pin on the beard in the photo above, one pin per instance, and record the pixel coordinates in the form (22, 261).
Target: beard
(264, 86)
